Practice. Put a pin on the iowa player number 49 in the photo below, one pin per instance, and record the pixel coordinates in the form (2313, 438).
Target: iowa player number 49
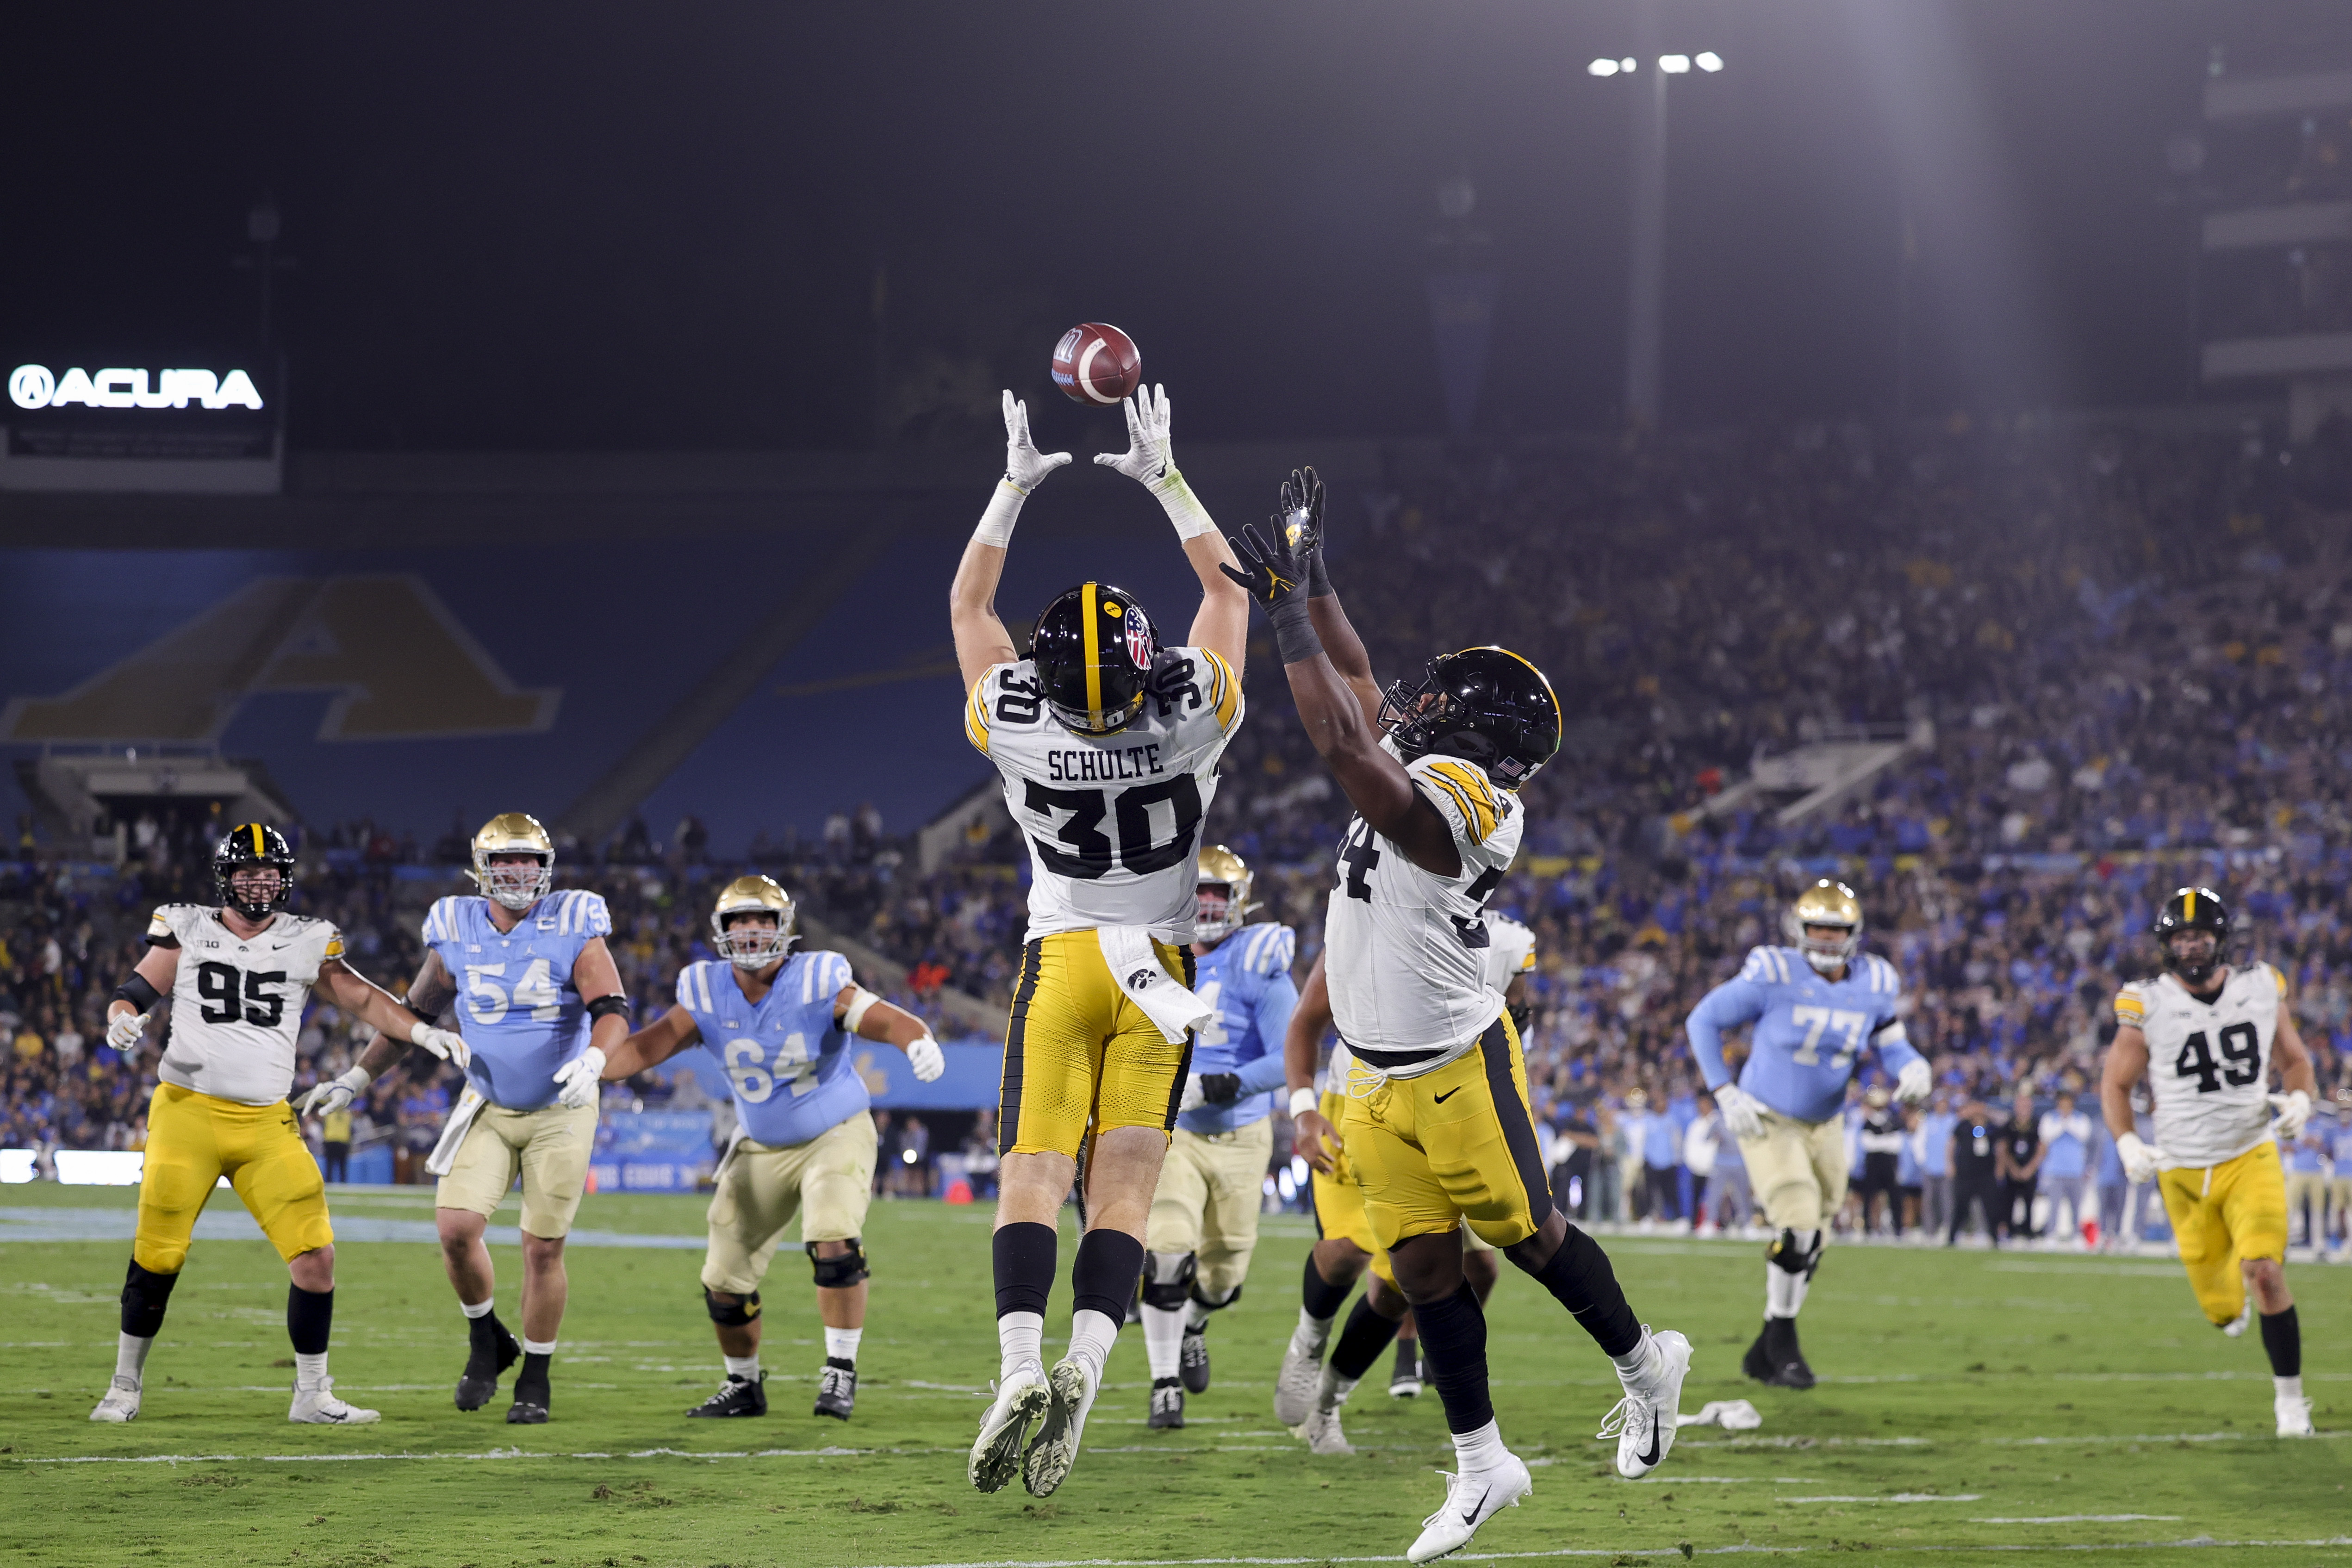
(2240, 1063)
(1080, 848)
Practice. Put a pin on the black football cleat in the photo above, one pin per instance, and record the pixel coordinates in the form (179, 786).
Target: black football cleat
(1775, 1358)
(1758, 1362)
(531, 1395)
(837, 1389)
(737, 1396)
(1193, 1364)
(1166, 1404)
(494, 1351)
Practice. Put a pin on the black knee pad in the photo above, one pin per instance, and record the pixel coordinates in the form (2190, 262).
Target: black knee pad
(1167, 1279)
(735, 1315)
(1213, 1303)
(838, 1273)
(144, 1296)
(1784, 1254)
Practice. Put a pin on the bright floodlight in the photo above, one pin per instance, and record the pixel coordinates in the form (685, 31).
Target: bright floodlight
(1602, 67)
(1708, 61)
(1674, 65)
(1626, 64)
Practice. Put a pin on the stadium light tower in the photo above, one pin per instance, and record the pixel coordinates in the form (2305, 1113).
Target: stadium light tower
(1647, 245)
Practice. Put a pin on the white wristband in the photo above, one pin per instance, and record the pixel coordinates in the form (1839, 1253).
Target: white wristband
(855, 1013)
(1003, 508)
(355, 1078)
(1302, 1100)
(1183, 508)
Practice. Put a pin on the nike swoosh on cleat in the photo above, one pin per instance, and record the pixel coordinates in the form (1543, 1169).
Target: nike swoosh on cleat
(1651, 1456)
(1449, 1094)
(1471, 1518)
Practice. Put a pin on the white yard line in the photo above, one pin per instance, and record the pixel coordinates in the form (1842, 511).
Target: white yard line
(2086, 1519)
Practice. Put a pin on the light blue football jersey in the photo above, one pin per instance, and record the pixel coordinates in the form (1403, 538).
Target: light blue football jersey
(787, 1058)
(1809, 1030)
(1246, 978)
(516, 1006)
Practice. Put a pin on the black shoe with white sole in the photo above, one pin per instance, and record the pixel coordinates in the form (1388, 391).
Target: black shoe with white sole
(1166, 1404)
(837, 1389)
(1192, 1364)
(736, 1396)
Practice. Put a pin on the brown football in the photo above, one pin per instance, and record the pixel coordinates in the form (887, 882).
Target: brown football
(1095, 363)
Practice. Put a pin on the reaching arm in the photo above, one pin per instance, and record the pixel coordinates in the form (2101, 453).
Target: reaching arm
(980, 639)
(1301, 522)
(869, 1018)
(1222, 623)
(1311, 1135)
(396, 1025)
(652, 1046)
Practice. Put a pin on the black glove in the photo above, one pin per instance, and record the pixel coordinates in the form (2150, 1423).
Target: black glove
(1221, 1088)
(1302, 526)
(1277, 578)
(1522, 1014)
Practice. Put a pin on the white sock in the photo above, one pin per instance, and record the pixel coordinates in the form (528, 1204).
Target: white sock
(1638, 1361)
(1163, 1340)
(1784, 1293)
(1482, 1449)
(840, 1344)
(2288, 1388)
(539, 1347)
(1312, 1333)
(131, 1356)
(1092, 1334)
(743, 1368)
(1196, 1316)
(1333, 1390)
(1020, 1342)
(310, 1371)
(476, 1308)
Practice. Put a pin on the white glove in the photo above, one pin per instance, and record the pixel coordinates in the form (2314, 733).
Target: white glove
(578, 1078)
(1742, 1115)
(335, 1093)
(1146, 458)
(446, 1044)
(1915, 1083)
(2139, 1158)
(926, 1057)
(1025, 465)
(2294, 1111)
(122, 1030)
(1194, 1097)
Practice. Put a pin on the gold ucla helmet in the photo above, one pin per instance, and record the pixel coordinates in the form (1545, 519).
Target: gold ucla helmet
(741, 943)
(514, 833)
(1826, 903)
(1224, 894)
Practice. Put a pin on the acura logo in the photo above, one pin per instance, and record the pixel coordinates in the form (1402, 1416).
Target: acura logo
(34, 387)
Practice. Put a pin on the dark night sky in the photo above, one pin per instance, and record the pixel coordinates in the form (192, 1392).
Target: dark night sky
(647, 226)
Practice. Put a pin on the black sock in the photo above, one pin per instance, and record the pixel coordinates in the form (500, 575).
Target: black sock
(1454, 1330)
(1103, 1275)
(1321, 1298)
(1361, 1341)
(144, 1296)
(483, 1335)
(533, 1375)
(2283, 1338)
(1023, 1253)
(1580, 1275)
(309, 1314)
(1408, 1358)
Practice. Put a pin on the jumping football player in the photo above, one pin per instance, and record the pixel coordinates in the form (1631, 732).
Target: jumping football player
(1437, 1126)
(1109, 745)
(2205, 1033)
(239, 975)
(780, 1021)
(542, 1010)
(1816, 1005)
(1204, 1224)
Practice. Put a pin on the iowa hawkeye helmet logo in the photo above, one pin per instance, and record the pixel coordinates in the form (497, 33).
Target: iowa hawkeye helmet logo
(1141, 978)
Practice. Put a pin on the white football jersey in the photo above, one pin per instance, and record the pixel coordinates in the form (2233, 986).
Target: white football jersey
(1113, 821)
(2208, 1063)
(237, 1002)
(1510, 952)
(1407, 950)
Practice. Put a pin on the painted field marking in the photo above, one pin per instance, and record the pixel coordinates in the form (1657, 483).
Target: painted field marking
(2086, 1519)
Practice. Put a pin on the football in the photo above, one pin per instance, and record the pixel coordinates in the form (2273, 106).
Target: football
(1095, 363)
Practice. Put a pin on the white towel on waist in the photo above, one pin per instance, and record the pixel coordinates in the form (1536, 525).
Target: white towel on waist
(1162, 996)
(452, 1132)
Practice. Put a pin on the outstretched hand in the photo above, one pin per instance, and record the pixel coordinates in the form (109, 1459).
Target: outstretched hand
(1149, 456)
(1025, 468)
(1271, 570)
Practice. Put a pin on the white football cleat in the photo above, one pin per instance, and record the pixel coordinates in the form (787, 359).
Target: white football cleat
(1471, 1499)
(2294, 1415)
(2243, 1321)
(1295, 1385)
(1322, 1433)
(1645, 1420)
(1046, 1463)
(121, 1404)
(996, 1453)
(320, 1407)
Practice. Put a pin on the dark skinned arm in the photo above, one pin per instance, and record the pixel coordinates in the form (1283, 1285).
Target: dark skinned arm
(1312, 1135)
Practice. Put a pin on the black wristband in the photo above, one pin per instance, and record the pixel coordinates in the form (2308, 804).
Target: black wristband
(138, 992)
(1318, 579)
(605, 1005)
(1294, 630)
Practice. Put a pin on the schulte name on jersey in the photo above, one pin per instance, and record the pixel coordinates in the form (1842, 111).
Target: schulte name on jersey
(2208, 1063)
(1113, 822)
(237, 1002)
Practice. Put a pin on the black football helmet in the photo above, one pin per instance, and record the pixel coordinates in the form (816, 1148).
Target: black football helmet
(1483, 705)
(249, 845)
(1092, 647)
(2192, 908)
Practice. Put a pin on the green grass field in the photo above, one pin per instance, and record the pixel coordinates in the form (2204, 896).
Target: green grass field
(1970, 1401)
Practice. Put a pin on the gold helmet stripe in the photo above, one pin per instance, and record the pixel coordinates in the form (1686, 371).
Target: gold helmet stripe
(1094, 657)
(257, 849)
(1558, 716)
(2188, 906)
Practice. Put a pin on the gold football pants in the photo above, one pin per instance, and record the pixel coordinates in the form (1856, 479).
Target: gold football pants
(193, 1141)
(1456, 1144)
(1080, 1057)
(2223, 1214)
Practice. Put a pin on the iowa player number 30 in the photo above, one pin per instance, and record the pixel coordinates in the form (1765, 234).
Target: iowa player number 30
(1080, 848)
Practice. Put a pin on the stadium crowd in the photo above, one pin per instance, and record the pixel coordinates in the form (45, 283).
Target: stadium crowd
(2116, 656)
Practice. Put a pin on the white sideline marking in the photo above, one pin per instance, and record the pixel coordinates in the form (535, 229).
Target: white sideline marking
(2200, 1542)
(2084, 1519)
(1897, 1497)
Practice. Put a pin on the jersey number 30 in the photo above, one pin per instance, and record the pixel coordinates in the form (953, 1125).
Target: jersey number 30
(1080, 847)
